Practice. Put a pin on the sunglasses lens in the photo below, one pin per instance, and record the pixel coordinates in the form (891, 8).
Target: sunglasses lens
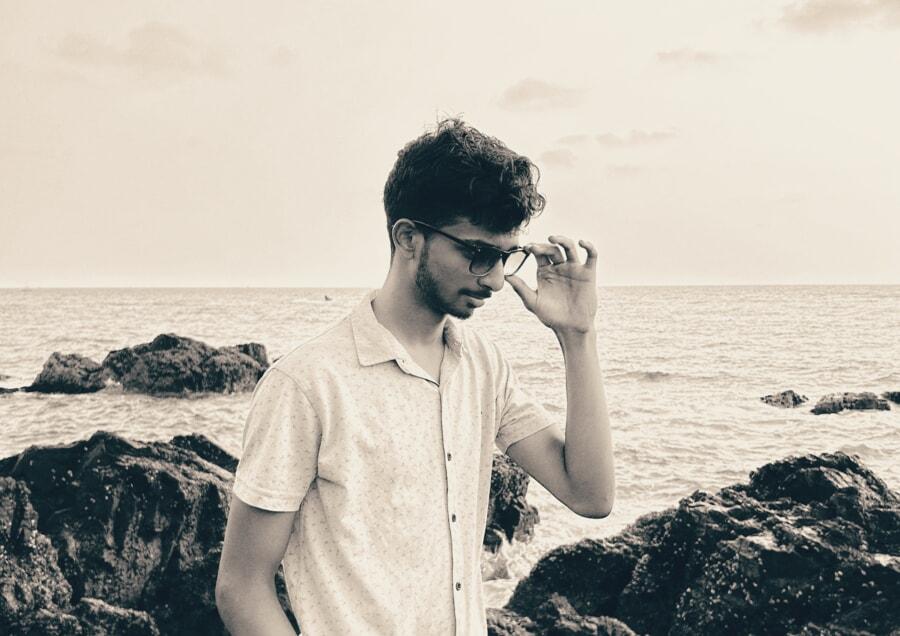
(514, 262)
(484, 261)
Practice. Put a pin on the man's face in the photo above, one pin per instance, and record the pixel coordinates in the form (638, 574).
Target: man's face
(443, 281)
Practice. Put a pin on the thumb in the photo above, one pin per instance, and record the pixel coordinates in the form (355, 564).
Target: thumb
(525, 292)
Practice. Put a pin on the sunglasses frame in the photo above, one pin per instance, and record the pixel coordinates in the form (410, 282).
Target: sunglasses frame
(473, 250)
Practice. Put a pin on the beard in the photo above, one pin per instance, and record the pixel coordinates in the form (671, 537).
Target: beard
(429, 293)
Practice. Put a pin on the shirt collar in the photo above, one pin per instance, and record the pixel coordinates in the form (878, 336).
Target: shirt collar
(376, 344)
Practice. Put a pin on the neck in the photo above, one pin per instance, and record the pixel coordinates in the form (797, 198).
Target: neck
(398, 309)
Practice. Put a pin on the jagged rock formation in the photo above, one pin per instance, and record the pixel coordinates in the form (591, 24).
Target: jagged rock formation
(837, 402)
(510, 516)
(69, 373)
(170, 365)
(786, 399)
(811, 545)
(127, 532)
(114, 536)
(173, 364)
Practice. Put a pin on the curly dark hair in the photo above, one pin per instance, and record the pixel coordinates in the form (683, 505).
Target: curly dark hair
(456, 173)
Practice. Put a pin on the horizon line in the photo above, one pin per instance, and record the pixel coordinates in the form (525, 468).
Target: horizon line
(56, 287)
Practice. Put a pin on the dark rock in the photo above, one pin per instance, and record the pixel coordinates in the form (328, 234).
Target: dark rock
(554, 617)
(138, 525)
(69, 373)
(253, 350)
(175, 365)
(893, 396)
(786, 399)
(557, 616)
(101, 619)
(207, 449)
(7, 391)
(837, 402)
(494, 559)
(509, 514)
(810, 545)
(502, 622)
(113, 536)
(30, 578)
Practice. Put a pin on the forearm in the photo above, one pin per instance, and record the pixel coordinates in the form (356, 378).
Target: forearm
(252, 609)
(588, 452)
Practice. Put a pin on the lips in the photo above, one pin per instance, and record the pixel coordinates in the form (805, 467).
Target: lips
(475, 300)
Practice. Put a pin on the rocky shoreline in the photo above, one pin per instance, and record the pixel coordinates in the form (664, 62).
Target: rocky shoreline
(810, 545)
(175, 366)
(835, 402)
(114, 536)
(169, 365)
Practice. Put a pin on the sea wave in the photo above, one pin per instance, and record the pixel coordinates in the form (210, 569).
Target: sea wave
(666, 376)
(643, 376)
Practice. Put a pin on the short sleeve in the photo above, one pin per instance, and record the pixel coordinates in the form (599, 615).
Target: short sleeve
(280, 445)
(520, 415)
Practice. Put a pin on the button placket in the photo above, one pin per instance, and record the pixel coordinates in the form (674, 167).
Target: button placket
(448, 417)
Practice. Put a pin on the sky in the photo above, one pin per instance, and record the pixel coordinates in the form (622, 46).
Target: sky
(236, 144)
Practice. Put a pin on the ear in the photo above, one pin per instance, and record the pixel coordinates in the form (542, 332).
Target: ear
(406, 237)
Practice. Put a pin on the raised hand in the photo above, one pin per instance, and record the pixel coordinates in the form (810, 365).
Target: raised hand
(566, 296)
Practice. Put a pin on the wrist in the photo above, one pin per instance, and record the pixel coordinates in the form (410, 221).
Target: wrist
(572, 337)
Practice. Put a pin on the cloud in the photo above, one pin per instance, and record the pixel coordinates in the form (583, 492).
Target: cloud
(634, 138)
(149, 49)
(827, 15)
(686, 57)
(533, 94)
(561, 157)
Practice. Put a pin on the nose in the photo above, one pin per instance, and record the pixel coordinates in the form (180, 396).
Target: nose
(494, 279)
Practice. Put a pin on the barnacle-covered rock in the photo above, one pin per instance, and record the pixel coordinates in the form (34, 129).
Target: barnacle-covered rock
(810, 545)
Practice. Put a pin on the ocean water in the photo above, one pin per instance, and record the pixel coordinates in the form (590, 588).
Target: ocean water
(683, 368)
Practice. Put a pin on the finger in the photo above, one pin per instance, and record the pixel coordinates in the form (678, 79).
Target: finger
(591, 253)
(568, 245)
(526, 293)
(546, 254)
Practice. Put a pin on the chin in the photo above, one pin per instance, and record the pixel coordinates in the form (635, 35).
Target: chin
(461, 313)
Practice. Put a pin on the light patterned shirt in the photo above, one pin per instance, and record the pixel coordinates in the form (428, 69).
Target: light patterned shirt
(389, 472)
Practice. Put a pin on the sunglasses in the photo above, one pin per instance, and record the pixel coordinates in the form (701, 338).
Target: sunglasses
(483, 258)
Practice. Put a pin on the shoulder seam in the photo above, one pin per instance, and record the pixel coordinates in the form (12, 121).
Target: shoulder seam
(294, 380)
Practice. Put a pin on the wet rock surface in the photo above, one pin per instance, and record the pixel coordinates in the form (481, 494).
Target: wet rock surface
(786, 399)
(69, 373)
(175, 365)
(811, 545)
(510, 517)
(109, 535)
(128, 535)
(837, 402)
(170, 365)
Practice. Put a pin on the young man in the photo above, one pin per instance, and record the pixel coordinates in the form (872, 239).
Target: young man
(366, 463)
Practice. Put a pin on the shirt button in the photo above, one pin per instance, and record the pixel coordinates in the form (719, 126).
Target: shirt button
(453, 517)
(449, 456)
(458, 586)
